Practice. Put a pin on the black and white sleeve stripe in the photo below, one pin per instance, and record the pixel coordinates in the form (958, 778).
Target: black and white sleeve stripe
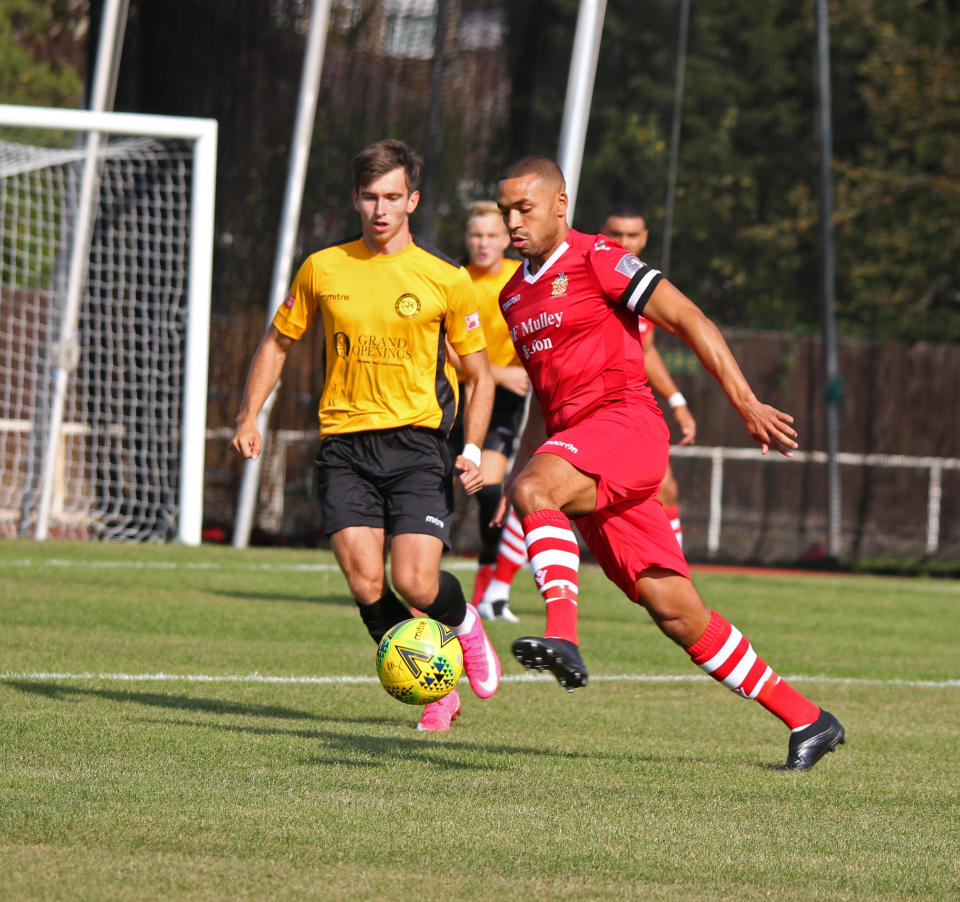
(641, 286)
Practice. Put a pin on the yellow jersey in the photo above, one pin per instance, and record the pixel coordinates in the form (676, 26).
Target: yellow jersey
(385, 317)
(500, 348)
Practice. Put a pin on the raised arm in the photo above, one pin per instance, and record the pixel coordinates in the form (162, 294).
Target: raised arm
(670, 309)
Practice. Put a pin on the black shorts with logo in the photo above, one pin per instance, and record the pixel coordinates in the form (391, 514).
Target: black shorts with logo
(400, 480)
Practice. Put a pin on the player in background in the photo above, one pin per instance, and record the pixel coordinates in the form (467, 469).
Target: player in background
(595, 448)
(626, 223)
(486, 241)
(383, 302)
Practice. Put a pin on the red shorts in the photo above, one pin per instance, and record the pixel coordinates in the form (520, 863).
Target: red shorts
(626, 449)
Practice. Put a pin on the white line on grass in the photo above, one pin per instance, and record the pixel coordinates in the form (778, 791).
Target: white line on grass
(201, 565)
(51, 676)
(938, 586)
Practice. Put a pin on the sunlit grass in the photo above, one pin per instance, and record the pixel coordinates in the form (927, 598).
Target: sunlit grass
(636, 787)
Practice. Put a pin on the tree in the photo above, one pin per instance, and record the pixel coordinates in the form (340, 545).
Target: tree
(745, 240)
(42, 52)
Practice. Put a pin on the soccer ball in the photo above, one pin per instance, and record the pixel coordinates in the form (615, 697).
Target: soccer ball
(419, 661)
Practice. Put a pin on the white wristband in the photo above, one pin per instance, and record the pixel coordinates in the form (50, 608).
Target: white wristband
(677, 400)
(472, 453)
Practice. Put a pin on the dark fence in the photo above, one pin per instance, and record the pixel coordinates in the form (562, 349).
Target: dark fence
(900, 467)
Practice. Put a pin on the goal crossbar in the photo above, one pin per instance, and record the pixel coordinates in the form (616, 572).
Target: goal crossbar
(202, 135)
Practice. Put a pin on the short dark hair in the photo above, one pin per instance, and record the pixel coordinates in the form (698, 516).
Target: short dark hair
(625, 211)
(542, 167)
(378, 159)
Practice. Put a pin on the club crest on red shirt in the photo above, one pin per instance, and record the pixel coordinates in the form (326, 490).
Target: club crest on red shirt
(559, 285)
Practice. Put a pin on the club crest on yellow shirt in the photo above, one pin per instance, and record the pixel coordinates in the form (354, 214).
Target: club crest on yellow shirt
(559, 285)
(408, 305)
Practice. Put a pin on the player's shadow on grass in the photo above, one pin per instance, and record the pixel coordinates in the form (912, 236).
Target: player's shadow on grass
(61, 692)
(367, 750)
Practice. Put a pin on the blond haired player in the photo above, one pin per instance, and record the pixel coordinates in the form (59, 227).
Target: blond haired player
(486, 240)
(386, 305)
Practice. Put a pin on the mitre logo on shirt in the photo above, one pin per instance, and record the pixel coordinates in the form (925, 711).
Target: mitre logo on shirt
(573, 449)
(628, 265)
(559, 285)
(472, 320)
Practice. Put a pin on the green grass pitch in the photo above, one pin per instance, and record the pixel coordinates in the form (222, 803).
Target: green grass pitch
(203, 723)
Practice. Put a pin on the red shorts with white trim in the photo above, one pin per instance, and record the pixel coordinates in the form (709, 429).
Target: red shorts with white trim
(626, 449)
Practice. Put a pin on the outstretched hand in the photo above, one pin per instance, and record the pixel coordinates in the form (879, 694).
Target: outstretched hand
(770, 428)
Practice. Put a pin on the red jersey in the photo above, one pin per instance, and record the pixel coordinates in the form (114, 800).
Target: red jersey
(576, 326)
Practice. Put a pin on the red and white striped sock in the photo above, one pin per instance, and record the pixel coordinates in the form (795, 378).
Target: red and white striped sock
(555, 561)
(726, 654)
(511, 556)
(673, 512)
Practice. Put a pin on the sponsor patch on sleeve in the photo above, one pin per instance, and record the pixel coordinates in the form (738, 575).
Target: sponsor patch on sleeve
(628, 265)
(289, 302)
(472, 320)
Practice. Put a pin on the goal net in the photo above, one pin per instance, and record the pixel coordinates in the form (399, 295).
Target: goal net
(105, 246)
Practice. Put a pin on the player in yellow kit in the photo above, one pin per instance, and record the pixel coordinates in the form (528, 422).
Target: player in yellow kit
(387, 305)
(486, 240)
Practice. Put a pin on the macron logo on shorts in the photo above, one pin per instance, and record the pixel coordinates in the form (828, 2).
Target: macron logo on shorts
(436, 521)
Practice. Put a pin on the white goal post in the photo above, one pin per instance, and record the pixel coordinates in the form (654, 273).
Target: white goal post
(106, 244)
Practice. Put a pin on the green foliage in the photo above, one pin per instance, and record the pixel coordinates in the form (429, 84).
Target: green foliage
(38, 52)
(746, 226)
(898, 188)
(747, 215)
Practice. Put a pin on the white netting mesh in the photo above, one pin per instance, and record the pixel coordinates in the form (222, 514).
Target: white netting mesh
(118, 461)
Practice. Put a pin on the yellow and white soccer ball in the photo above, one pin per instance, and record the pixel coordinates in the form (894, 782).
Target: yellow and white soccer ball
(419, 661)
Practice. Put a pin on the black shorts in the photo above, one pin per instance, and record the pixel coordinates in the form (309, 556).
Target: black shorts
(399, 480)
(505, 419)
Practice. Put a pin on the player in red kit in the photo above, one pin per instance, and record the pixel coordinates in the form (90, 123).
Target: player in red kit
(596, 446)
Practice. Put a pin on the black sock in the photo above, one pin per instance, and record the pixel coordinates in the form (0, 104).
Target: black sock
(487, 499)
(385, 613)
(449, 607)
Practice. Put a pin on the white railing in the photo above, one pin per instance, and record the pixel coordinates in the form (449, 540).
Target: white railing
(717, 456)
(281, 439)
